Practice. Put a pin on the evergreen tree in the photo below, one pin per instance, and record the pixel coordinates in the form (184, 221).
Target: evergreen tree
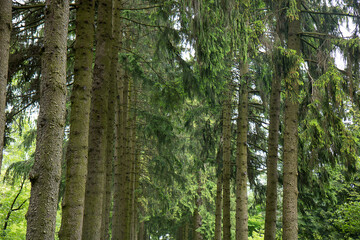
(5, 30)
(77, 151)
(46, 172)
(95, 184)
(290, 161)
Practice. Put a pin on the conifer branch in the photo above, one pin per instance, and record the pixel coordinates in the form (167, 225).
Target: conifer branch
(143, 24)
(41, 5)
(147, 63)
(331, 13)
(142, 8)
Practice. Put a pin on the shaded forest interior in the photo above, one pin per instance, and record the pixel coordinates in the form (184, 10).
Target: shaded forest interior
(186, 119)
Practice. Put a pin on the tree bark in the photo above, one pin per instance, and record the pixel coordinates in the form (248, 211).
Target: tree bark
(77, 151)
(95, 184)
(290, 161)
(110, 151)
(46, 173)
(5, 30)
(227, 164)
(119, 219)
(272, 159)
(218, 207)
(241, 160)
(133, 159)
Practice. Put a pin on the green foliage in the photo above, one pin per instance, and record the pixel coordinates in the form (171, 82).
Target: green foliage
(16, 224)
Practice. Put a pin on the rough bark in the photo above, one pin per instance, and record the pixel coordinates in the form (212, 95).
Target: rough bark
(77, 151)
(95, 192)
(118, 219)
(110, 150)
(241, 161)
(290, 161)
(5, 30)
(46, 172)
(272, 159)
(227, 163)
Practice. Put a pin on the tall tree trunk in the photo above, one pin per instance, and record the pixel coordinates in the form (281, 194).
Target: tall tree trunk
(218, 207)
(290, 161)
(197, 217)
(219, 190)
(5, 30)
(77, 151)
(186, 230)
(272, 159)
(132, 158)
(126, 161)
(110, 148)
(46, 173)
(227, 163)
(241, 160)
(95, 192)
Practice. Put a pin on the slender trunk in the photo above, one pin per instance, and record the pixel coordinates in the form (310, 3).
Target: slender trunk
(272, 159)
(180, 233)
(290, 216)
(46, 173)
(132, 158)
(122, 169)
(5, 30)
(77, 151)
(95, 192)
(186, 230)
(241, 160)
(218, 207)
(227, 163)
(197, 217)
(142, 230)
(110, 149)
(126, 197)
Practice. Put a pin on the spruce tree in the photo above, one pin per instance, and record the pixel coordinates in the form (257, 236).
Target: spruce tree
(5, 30)
(46, 172)
(95, 184)
(290, 161)
(77, 150)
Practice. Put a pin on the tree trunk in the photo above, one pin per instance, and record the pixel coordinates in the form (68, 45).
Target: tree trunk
(197, 217)
(218, 207)
(133, 160)
(121, 200)
(5, 30)
(186, 231)
(110, 148)
(46, 173)
(227, 164)
(290, 221)
(272, 159)
(77, 151)
(126, 162)
(241, 160)
(95, 192)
